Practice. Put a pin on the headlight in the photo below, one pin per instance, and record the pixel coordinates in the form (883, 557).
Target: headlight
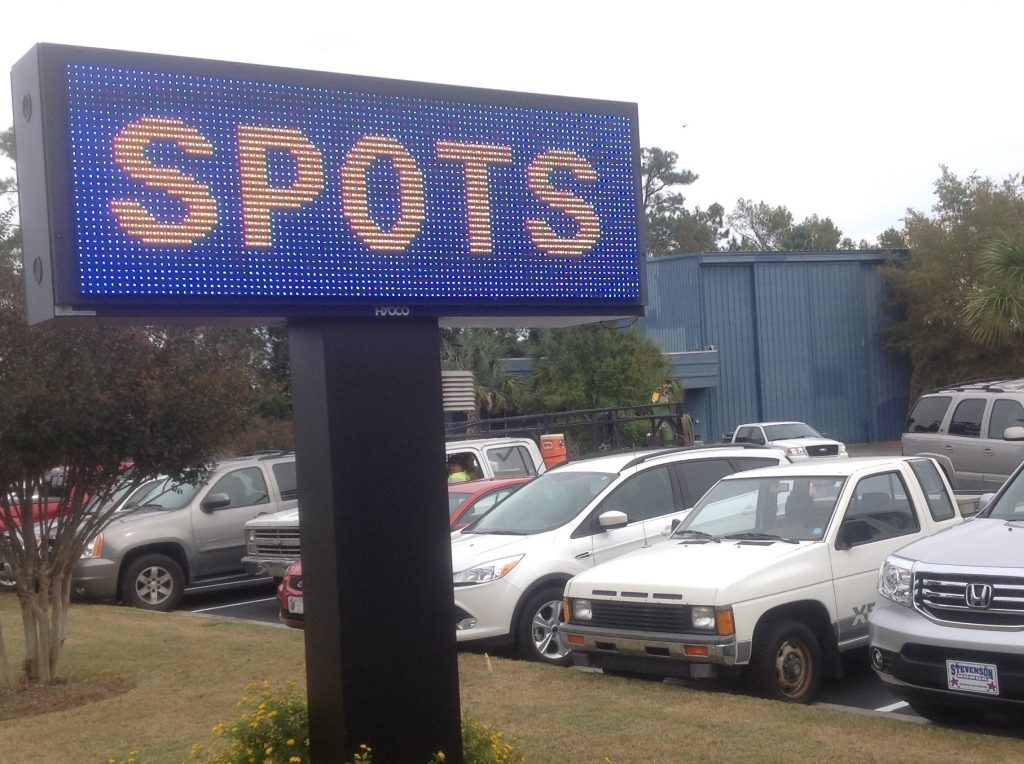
(95, 547)
(488, 571)
(796, 451)
(582, 610)
(703, 618)
(895, 580)
(842, 448)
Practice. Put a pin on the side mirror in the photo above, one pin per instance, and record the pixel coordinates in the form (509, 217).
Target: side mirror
(613, 518)
(852, 533)
(215, 501)
(986, 498)
(1013, 433)
(668, 530)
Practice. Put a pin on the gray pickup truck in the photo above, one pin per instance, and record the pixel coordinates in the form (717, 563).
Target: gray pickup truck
(185, 536)
(947, 629)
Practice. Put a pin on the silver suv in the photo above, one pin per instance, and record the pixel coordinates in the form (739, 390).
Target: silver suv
(974, 430)
(185, 536)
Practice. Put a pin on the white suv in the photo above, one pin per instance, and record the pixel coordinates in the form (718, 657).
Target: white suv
(510, 568)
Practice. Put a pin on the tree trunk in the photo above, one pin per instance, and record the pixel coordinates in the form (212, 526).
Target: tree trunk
(6, 674)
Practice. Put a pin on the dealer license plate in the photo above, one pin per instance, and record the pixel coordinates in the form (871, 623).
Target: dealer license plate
(964, 676)
(295, 605)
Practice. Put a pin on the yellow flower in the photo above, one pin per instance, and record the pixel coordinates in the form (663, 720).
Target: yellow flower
(440, 755)
(291, 741)
(270, 750)
(295, 760)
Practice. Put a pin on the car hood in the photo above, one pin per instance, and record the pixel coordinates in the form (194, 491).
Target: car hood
(708, 573)
(287, 518)
(469, 549)
(981, 542)
(805, 442)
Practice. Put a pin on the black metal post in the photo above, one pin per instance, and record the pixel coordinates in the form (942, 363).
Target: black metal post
(381, 658)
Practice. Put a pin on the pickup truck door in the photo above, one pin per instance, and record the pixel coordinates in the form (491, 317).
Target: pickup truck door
(219, 532)
(649, 499)
(879, 518)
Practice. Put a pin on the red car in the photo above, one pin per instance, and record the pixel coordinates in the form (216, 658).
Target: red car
(469, 500)
(466, 502)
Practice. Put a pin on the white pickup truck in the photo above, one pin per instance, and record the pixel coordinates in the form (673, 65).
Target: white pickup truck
(774, 571)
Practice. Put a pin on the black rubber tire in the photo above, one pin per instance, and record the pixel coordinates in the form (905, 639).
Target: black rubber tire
(787, 664)
(947, 714)
(153, 582)
(537, 628)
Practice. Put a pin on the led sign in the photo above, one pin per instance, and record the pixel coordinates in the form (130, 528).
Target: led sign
(154, 185)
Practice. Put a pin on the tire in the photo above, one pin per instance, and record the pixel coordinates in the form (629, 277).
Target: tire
(947, 714)
(787, 663)
(153, 582)
(537, 630)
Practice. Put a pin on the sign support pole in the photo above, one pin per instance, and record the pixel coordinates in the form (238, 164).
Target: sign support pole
(381, 655)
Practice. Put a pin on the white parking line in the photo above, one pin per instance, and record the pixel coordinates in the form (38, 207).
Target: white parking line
(893, 707)
(233, 604)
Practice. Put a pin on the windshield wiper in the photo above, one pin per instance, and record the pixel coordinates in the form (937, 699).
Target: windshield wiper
(697, 534)
(500, 532)
(755, 536)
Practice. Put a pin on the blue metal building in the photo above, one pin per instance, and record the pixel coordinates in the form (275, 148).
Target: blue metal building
(780, 335)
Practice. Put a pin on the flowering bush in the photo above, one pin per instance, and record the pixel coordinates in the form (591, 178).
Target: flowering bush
(275, 730)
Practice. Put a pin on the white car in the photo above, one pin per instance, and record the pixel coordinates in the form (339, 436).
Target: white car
(801, 441)
(511, 566)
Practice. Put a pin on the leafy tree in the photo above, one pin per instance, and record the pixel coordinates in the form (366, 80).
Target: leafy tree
(595, 366)
(672, 228)
(932, 288)
(86, 399)
(759, 227)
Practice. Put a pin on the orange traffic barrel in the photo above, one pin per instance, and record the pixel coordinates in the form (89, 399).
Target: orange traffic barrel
(552, 448)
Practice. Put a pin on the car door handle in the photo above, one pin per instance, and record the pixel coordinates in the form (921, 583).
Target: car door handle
(949, 447)
(584, 555)
(988, 452)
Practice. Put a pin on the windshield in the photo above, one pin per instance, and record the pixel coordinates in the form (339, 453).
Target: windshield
(456, 500)
(546, 503)
(790, 508)
(167, 494)
(790, 430)
(1009, 506)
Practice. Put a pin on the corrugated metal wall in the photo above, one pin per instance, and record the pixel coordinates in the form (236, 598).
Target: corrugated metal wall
(797, 336)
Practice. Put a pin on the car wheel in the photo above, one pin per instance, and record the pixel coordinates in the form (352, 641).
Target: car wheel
(153, 582)
(947, 714)
(787, 663)
(537, 637)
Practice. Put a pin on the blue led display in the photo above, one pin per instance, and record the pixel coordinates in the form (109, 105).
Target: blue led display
(204, 187)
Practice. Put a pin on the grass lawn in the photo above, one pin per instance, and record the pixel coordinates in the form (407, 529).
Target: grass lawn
(157, 683)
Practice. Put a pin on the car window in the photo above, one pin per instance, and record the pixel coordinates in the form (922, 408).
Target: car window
(645, 495)
(245, 487)
(484, 504)
(468, 462)
(750, 435)
(698, 475)
(744, 463)
(1005, 413)
(966, 420)
(284, 474)
(940, 506)
(928, 414)
(510, 461)
(880, 509)
(545, 503)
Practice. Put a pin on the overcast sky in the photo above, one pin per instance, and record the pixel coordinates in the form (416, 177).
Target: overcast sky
(845, 110)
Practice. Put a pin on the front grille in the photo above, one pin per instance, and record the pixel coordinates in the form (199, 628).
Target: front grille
(825, 450)
(973, 599)
(634, 616)
(276, 542)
